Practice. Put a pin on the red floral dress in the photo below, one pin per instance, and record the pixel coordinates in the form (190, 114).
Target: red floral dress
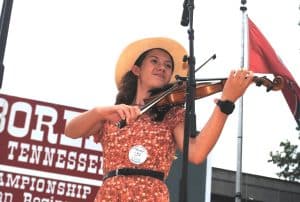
(157, 138)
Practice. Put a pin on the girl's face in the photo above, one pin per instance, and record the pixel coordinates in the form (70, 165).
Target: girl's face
(156, 69)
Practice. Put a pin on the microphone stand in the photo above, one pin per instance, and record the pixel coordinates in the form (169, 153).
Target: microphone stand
(4, 25)
(190, 118)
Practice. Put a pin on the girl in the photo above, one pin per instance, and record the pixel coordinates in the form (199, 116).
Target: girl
(138, 157)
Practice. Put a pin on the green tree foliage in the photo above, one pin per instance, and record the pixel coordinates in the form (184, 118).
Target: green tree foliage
(288, 160)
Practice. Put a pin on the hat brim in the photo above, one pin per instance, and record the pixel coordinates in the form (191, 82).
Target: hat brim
(135, 49)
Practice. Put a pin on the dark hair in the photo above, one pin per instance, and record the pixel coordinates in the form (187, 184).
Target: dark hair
(128, 88)
(128, 85)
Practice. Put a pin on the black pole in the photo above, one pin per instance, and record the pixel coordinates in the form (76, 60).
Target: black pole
(4, 25)
(190, 118)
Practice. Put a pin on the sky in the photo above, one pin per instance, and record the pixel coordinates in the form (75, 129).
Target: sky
(64, 52)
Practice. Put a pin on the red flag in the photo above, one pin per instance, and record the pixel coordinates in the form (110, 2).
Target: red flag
(263, 59)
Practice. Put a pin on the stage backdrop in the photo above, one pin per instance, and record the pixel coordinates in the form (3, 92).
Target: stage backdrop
(37, 161)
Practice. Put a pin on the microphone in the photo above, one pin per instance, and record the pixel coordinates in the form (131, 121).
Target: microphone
(185, 14)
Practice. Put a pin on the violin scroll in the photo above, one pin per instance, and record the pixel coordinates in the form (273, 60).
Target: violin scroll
(276, 84)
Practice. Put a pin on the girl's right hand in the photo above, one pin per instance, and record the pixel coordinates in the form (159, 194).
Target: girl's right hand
(119, 112)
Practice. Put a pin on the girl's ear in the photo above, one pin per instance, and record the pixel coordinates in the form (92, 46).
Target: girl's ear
(136, 70)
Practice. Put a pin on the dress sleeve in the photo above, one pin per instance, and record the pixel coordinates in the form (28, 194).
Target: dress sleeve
(98, 135)
(175, 116)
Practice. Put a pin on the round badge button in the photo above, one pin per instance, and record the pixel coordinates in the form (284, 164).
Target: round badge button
(138, 154)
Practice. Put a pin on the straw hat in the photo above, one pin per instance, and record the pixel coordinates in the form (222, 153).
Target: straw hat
(135, 49)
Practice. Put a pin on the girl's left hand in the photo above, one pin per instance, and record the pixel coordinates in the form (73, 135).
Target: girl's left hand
(236, 84)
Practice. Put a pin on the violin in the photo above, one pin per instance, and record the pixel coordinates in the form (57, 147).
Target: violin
(174, 94)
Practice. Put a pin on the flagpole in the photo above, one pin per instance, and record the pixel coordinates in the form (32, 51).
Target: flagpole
(244, 64)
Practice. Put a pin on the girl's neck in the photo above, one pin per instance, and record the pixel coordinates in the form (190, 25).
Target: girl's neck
(141, 94)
